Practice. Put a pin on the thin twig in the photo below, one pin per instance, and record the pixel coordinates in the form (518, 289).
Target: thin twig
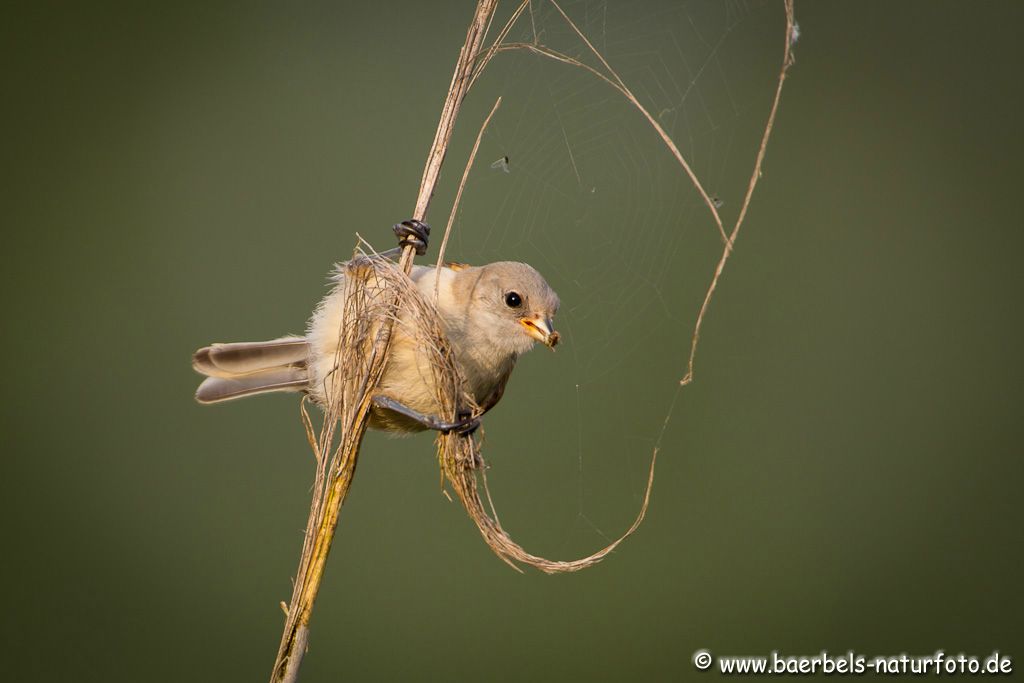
(485, 57)
(787, 61)
(458, 198)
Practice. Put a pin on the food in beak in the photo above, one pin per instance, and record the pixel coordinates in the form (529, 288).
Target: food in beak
(540, 329)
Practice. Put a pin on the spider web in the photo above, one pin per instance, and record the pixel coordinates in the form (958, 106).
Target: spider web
(572, 179)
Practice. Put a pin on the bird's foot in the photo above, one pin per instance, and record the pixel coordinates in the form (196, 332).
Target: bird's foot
(464, 425)
(413, 233)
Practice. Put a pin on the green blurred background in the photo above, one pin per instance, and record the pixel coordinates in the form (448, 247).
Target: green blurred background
(844, 473)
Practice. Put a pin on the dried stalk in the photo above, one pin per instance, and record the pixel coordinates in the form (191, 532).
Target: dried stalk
(353, 385)
(461, 462)
(458, 197)
(787, 61)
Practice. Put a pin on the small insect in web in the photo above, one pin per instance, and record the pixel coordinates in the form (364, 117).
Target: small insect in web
(502, 164)
(717, 201)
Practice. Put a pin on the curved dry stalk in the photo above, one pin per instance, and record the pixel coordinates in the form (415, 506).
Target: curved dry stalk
(460, 463)
(619, 85)
(787, 61)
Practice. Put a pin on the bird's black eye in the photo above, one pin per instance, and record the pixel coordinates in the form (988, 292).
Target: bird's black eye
(513, 300)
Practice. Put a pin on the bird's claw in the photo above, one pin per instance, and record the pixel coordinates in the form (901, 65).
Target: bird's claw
(413, 233)
(465, 426)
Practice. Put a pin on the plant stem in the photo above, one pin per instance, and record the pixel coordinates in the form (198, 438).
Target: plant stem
(325, 510)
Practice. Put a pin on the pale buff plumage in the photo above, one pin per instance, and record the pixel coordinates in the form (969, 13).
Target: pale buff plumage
(486, 333)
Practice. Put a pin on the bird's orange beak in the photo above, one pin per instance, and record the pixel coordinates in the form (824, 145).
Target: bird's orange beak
(540, 329)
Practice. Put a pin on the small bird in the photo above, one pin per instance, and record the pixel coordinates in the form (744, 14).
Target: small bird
(491, 314)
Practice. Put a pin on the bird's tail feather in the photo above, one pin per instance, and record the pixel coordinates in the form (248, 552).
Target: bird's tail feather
(228, 360)
(247, 368)
(216, 389)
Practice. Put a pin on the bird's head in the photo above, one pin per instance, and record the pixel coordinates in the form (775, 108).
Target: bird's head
(513, 307)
